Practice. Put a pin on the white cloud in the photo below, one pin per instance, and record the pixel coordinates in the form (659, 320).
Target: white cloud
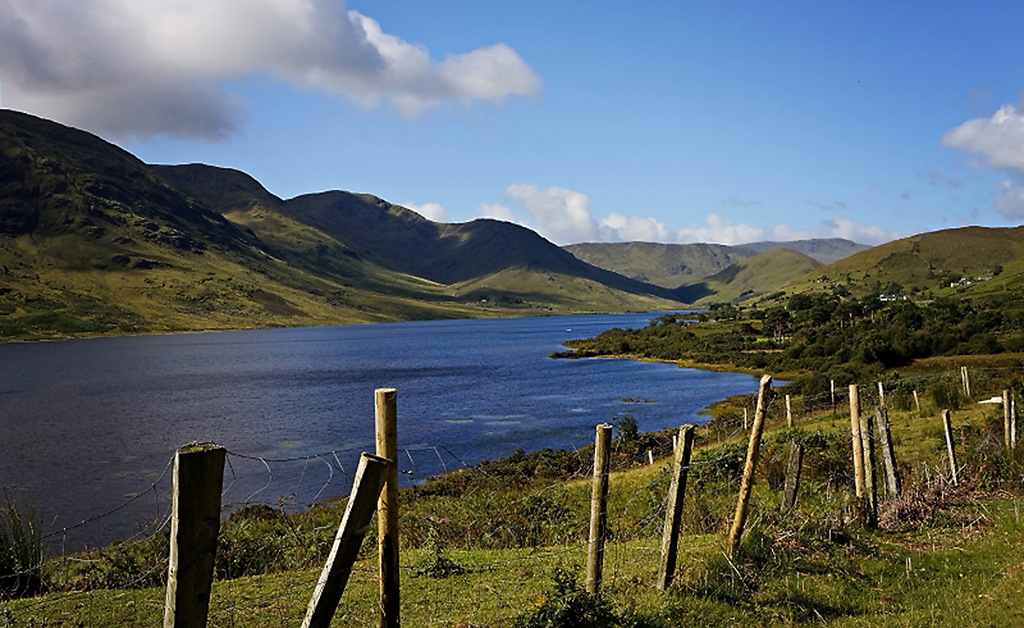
(857, 231)
(131, 68)
(619, 228)
(430, 211)
(720, 231)
(497, 212)
(1010, 202)
(562, 215)
(999, 139)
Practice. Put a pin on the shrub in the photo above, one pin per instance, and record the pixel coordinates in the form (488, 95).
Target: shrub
(21, 549)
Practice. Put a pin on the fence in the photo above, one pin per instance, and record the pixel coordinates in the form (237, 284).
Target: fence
(479, 544)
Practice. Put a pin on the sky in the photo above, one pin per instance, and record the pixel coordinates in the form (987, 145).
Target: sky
(663, 121)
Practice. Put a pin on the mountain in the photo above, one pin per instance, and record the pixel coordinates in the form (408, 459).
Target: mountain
(750, 278)
(666, 265)
(93, 240)
(823, 250)
(674, 265)
(977, 259)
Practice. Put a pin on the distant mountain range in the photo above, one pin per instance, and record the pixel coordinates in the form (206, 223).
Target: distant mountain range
(674, 265)
(93, 240)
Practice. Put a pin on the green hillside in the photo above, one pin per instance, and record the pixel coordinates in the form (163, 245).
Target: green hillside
(674, 265)
(666, 265)
(93, 241)
(757, 276)
(977, 259)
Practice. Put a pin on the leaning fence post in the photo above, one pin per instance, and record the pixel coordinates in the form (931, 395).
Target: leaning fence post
(195, 522)
(948, 429)
(386, 414)
(789, 413)
(858, 446)
(598, 508)
(674, 507)
(867, 434)
(748, 471)
(893, 481)
(792, 486)
(966, 380)
(362, 502)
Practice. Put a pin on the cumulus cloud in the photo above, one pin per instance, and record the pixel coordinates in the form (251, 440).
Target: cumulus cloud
(497, 212)
(1010, 201)
(130, 68)
(430, 211)
(998, 139)
(619, 228)
(858, 232)
(561, 215)
(720, 231)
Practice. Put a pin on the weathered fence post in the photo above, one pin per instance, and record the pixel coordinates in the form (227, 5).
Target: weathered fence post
(789, 413)
(948, 429)
(881, 394)
(966, 380)
(195, 522)
(386, 415)
(746, 420)
(793, 468)
(1013, 420)
(917, 401)
(674, 507)
(867, 434)
(598, 508)
(748, 471)
(362, 503)
(858, 446)
(893, 481)
(832, 384)
(1006, 418)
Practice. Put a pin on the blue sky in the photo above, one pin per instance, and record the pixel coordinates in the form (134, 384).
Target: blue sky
(587, 121)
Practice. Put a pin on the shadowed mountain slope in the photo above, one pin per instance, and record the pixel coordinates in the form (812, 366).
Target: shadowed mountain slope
(748, 279)
(92, 240)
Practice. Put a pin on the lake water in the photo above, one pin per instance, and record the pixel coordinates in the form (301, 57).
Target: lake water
(87, 424)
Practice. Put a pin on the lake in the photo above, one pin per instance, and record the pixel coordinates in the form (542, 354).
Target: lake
(86, 425)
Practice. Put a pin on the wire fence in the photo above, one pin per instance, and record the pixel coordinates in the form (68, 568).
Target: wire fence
(479, 541)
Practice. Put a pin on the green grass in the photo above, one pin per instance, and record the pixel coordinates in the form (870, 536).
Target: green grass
(955, 562)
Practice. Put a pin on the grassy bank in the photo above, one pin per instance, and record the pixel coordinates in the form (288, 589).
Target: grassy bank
(501, 544)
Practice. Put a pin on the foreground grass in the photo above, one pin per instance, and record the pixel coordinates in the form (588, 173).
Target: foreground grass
(955, 561)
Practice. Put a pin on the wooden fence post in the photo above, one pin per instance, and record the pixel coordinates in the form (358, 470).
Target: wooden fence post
(893, 481)
(1006, 418)
(386, 418)
(858, 446)
(746, 421)
(966, 380)
(748, 471)
(792, 486)
(917, 401)
(881, 394)
(789, 413)
(948, 429)
(598, 508)
(832, 384)
(674, 507)
(362, 503)
(867, 434)
(195, 522)
(1013, 420)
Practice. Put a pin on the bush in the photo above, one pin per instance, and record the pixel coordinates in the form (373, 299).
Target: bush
(21, 549)
(567, 605)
